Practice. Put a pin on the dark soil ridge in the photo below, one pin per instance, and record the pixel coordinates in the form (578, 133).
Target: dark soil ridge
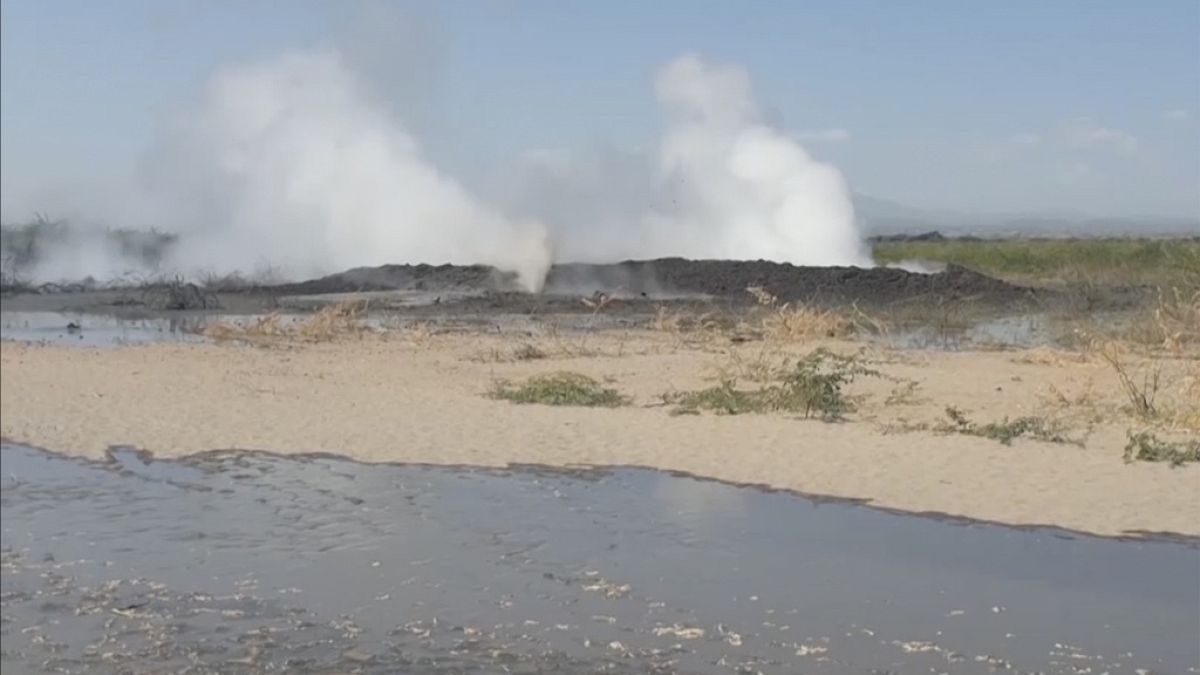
(667, 277)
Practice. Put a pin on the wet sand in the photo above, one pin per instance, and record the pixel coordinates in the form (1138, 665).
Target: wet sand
(413, 397)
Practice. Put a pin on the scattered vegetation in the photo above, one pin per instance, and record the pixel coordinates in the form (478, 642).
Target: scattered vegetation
(563, 388)
(813, 387)
(1144, 446)
(1005, 431)
(1160, 262)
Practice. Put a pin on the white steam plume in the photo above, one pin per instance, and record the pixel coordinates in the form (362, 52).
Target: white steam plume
(721, 183)
(743, 189)
(289, 161)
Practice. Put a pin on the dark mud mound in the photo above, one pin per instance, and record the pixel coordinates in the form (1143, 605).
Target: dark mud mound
(724, 278)
(675, 277)
(442, 278)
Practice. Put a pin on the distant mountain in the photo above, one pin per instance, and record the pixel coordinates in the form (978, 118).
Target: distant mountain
(883, 217)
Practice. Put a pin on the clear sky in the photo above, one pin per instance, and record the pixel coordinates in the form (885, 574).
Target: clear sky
(1083, 106)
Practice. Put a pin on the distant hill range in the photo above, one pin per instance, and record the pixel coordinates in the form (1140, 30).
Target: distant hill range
(882, 219)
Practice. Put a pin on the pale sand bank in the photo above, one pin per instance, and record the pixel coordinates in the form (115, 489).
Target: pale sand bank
(421, 400)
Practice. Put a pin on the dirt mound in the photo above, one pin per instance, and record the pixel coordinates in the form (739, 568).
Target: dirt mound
(788, 282)
(678, 277)
(461, 278)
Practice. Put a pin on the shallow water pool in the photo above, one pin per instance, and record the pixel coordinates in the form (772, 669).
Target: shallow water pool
(246, 562)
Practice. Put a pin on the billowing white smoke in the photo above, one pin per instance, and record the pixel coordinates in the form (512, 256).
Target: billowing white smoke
(288, 161)
(740, 188)
(721, 183)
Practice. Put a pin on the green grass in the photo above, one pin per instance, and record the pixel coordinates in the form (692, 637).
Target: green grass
(1165, 262)
(812, 388)
(1007, 430)
(572, 389)
(1146, 447)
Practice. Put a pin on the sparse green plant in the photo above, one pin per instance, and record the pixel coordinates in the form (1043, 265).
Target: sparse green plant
(812, 387)
(563, 388)
(1144, 446)
(1006, 430)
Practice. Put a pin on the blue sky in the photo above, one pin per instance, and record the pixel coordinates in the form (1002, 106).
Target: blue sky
(1004, 106)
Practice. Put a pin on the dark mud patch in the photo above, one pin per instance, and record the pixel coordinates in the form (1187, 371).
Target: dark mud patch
(788, 282)
(677, 277)
(246, 562)
(639, 288)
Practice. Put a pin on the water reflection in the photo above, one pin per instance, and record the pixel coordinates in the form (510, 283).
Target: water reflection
(237, 562)
(99, 330)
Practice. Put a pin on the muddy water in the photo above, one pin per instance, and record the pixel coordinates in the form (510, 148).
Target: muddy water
(98, 330)
(241, 562)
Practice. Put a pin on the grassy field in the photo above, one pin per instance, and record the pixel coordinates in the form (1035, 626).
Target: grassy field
(1172, 263)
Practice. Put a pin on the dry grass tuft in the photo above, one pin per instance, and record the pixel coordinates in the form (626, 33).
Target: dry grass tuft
(1154, 392)
(331, 323)
(1177, 318)
(1139, 384)
(791, 323)
(335, 321)
(686, 329)
(1170, 324)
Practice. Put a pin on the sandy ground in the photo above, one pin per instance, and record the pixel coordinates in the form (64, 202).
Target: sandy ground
(412, 397)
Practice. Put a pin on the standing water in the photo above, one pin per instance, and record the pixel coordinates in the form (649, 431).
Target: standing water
(244, 562)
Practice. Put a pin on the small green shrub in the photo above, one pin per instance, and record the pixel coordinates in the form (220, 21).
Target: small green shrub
(725, 399)
(1146, 447)
(560, 389)
(812, 388)
(1037, 428)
